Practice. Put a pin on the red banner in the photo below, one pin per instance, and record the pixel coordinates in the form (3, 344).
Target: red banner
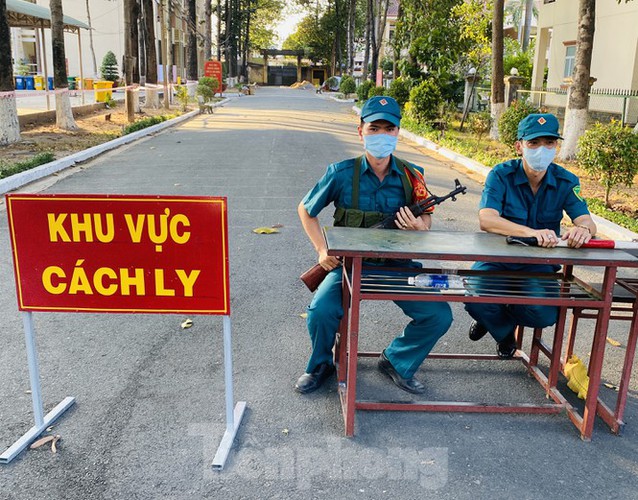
(117, 253)
(214, 69)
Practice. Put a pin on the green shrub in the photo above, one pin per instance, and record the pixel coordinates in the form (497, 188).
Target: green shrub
(508, 123)
(347, 86)
(181, 93)
(364, 89)
(374, 91)
(9, 169)
(400, 90)
(108, 70)
(480, 124)
(609, 152)
(145, 122)
(425, 101)
(209, 81)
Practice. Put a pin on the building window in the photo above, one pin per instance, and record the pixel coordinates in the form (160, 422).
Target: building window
(570, 60)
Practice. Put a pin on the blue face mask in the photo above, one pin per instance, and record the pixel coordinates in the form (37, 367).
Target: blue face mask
(540, 158)
(380, 145)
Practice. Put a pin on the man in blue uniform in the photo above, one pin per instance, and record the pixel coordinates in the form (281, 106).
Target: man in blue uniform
(527, 197)
(365, 190)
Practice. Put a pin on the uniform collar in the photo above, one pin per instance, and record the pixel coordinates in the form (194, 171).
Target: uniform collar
(393, 165)
(521, 178)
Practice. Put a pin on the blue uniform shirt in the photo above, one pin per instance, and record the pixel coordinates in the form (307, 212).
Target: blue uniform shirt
(374, 196)
(507, 191)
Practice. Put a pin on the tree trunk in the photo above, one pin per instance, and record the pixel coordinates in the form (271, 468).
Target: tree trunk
(208, 27)
(63, 113)
(578, 100)
(129, 63)
(379, 25)
(191, 45)
(88, 19)
(9, 125)
(350, 36)
(529, 6)
(149, 41)
(498, 84)
(219, 30)
(135, 40)
(366, 56)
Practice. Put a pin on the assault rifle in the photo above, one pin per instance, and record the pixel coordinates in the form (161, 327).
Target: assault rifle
(313, 277)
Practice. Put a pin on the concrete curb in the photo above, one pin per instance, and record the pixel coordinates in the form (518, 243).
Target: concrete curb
(606, 228)
(18, 180)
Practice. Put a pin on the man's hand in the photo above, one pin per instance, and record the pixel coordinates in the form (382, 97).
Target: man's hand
(406, 220)
(328, 262)
(577, 236)
(546, 237)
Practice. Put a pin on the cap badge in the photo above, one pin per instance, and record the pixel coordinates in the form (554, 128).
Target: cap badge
(542, 121)
(383, 102)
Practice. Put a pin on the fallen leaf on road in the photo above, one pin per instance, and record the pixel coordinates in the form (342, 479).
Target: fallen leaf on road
(611, 386)
(613, 342)
(264, 230)
(284, 432)
(54, 448)
(277, 225)
(303, 315)
(187, 323)
(41, 441)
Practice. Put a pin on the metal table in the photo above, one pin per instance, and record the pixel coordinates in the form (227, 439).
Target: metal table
(355, 244)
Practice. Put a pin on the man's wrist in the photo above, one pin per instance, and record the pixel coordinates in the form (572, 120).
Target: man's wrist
(584, 227)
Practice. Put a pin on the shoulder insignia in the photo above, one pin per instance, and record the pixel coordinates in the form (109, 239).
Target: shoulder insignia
(576, 190)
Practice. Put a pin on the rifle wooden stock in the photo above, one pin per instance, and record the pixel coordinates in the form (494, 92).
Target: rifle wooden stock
(313, 277)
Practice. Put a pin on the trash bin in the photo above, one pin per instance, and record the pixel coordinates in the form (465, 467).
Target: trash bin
(39, 82)
(30, 82)
(88, 84)
(20, 82)
(50, 79)
(100, 94)
(71, 82)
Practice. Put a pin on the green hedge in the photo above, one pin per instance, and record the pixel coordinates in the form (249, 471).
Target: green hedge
(146, 122)
(9, 169)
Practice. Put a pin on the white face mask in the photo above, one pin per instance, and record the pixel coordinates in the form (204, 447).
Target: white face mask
(539, 158)
(380, 145)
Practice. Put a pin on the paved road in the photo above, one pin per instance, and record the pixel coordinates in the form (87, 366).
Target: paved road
(150, 402)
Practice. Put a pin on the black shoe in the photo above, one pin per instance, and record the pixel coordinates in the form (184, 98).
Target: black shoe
(477, 331)
(310, 382)
(407, 384)
(506, 348)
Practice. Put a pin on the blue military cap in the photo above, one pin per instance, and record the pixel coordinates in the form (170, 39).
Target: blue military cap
(381, 108)
(538, 125)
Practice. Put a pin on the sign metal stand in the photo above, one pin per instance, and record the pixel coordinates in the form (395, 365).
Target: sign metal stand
(41, 421)
(233, 415)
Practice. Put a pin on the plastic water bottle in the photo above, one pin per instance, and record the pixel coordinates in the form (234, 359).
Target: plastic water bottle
(445, 281)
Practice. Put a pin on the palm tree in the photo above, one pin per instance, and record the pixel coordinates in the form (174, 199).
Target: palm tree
(150, 53)
(498, 85)
(9, 126)
(63, 112)
(191, 37)
(578, 101)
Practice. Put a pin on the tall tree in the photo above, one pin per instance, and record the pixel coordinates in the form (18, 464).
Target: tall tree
(88, 19)
(9, 125)
(130, 48)
(578, 100)
(208, 28)
(191, 37)
(63, 112)
(350, 35)
(498, 85)
(150, 53)
(379, 17)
